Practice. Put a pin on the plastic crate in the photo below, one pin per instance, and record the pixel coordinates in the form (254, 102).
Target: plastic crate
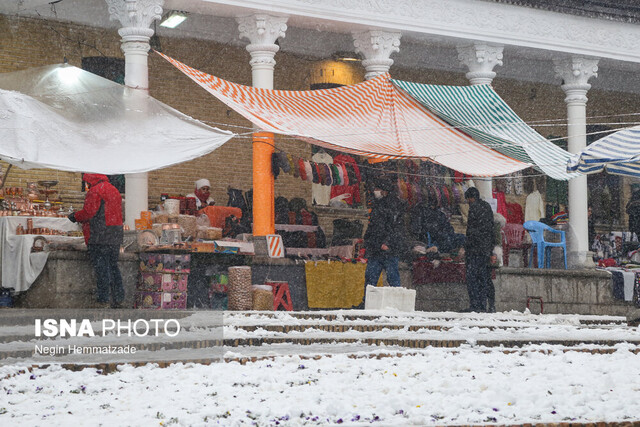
(395, 298)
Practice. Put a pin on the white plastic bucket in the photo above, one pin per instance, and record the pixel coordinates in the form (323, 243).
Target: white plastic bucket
(172, 206)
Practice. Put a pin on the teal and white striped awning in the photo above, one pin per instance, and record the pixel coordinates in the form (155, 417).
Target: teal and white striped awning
(481, 113)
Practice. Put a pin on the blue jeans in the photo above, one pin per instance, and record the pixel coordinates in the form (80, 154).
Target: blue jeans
(108, 278)
(376, 264)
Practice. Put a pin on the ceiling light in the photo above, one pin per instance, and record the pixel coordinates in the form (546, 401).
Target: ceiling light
(346, 56)
(173, 19)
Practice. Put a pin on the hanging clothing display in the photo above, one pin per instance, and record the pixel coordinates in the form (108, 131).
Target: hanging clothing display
(502, 202)
(534, 207)
(321, 194)
(351, 178)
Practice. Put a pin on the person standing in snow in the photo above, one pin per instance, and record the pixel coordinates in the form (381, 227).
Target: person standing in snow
(633, 210)
(384, 238)
(477, 251)
(101, 219)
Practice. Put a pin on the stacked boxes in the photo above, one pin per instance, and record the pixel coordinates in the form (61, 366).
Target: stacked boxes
(163, 281)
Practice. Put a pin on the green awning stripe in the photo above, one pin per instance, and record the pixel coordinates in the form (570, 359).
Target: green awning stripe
(481, 113)
(451, 106)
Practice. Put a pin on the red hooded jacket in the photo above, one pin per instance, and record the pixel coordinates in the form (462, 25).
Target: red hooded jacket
(101, 215)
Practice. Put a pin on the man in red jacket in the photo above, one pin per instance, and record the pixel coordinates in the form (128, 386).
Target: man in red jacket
(101, 219)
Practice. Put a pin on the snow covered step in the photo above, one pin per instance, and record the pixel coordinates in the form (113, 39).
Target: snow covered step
(389, 316)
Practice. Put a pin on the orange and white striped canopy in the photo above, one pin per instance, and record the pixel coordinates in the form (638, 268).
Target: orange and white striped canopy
(373, 119)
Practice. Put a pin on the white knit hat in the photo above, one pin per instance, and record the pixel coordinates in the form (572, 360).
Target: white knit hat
(202, 183)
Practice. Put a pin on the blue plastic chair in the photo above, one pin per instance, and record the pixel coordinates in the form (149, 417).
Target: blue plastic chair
(536, 230)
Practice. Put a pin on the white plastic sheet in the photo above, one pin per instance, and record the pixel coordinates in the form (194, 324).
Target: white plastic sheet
(62, 117)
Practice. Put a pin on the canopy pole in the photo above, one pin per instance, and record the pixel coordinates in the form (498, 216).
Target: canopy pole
(262, 31)
(263, 194)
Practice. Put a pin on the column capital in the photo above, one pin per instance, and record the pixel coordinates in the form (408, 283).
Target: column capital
(575, 73)
(136, 17)
(480, 59)
(262, 31)
(376, 47)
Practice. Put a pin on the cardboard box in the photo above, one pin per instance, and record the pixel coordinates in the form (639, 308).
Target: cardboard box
(151, 262)
(165, 263)
(161, 300)
(150, 282)
(174, 282)
(177, 263)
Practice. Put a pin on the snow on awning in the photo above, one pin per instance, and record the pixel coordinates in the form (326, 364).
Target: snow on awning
(62, 117)
(373, 119)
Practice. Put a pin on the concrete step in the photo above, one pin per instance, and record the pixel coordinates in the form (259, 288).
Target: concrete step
(354, 315)
(269, 334)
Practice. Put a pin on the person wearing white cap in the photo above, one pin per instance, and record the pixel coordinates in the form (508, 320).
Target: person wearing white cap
(202, 194)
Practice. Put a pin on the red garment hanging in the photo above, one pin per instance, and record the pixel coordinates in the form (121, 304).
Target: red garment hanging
(352, 189)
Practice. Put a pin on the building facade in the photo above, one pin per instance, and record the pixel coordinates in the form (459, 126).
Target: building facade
(559, 68)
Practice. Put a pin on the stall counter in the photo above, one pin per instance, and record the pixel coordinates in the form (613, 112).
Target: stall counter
(21, 267)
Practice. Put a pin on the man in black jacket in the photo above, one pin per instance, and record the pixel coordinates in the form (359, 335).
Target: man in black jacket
(477, 249)
(430, 225)
(384, 239)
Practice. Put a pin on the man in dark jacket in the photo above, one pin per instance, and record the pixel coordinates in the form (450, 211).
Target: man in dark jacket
(101, 219)
(384, 238)
(633, 210)
(477, 249)
(430, 225)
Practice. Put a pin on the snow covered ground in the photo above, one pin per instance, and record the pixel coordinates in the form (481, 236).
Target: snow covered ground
(352, 384)
(431, 387)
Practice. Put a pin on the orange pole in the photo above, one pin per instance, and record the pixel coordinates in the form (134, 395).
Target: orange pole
(263, 194)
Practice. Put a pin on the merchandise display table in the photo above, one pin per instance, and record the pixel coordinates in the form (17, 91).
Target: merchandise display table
(424, 272)
(21, 267)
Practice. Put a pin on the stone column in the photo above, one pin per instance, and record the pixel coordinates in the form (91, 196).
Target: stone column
(262, 31)
(376, 47)
(575, 73)
(135, 16)
(480, 59)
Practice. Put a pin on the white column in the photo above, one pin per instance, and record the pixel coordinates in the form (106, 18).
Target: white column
(575, 73)
(135, 16)
(262, 31)
(480, 59)
(376, 47)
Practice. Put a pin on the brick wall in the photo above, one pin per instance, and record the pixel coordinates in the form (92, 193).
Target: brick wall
(28, 42)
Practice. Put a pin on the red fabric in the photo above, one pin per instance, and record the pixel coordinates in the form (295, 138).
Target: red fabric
(218, 214)
(307, 218)
(458, 177)
(609, 262)
(502, 202)
(446, 272)
(100, 190)
(303, 172)
(353, 189)
(514, 214)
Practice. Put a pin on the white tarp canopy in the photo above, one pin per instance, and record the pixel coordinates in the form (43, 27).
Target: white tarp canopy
(62, 117)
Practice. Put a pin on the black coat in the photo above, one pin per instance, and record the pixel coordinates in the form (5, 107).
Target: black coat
(633, 210)
(386, 226)
(426, 219)
(480, 229)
